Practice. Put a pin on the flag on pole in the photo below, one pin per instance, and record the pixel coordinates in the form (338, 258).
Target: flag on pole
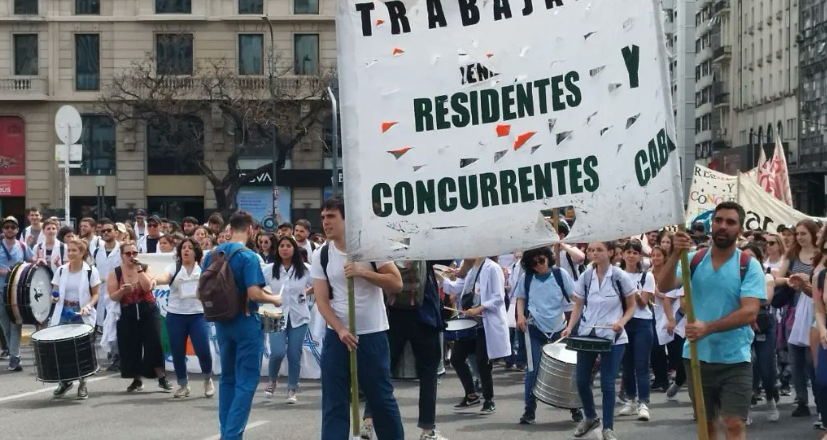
(772, 175)
(763, 174)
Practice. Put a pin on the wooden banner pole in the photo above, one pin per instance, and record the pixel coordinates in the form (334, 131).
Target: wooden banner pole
(354, 378)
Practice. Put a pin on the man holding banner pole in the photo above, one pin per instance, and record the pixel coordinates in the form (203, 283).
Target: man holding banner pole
(726, 292)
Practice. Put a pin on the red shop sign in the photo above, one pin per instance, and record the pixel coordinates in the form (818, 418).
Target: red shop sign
(14, 187)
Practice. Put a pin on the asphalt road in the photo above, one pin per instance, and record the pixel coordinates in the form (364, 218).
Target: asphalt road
(27, 411)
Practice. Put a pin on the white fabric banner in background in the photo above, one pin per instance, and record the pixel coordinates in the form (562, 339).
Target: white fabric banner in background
(709, 188)
(764, 211)
(311, 354)
(463, 118)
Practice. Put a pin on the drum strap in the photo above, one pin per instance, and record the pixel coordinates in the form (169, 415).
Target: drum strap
(8, 252)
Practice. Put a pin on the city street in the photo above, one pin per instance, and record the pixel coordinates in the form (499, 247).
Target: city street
(29, 412)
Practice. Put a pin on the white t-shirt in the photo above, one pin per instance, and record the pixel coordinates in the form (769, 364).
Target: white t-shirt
(182, 299)
(648, 285)
(74, 281)
(604, 307)
(370, 302)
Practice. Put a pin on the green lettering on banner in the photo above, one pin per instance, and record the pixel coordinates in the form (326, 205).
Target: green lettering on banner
(461, 118)
(542, 181)
(641, 170)
(380, 192)
(508, 102)
(525, 183)
(447, 203)
(560, 169)
(490, 106)
(403, 198)
(441, 103)
(575, 175)
(488, 188)
(589, 168)
(475, 97)
(422, 114)
(575, 98)
(663, 149)
(542, 93)
(425, 197)
(557, 94)
(525, 100)
(508, 187)
(468, 194)
(653, 158)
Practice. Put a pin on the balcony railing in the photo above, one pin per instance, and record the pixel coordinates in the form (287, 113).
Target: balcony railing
(722, 52)
(722, 99)
(34, 88)
(721, 6)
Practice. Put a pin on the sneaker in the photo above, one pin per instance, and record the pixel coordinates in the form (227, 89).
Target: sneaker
(432, 435)
(608, 434)
(183, 391)
(468, 402)
(748, 421)
(630, 408)
(576, 415)
(209, 388)
(817, 423)
(586, 426)
(772, 411)
(488, 407)
(269, 390)
(520, 368)
(367, 433)
(291, 397)
(164, 385)
(116, 364)
(785, 391)
(4, 354)
(14, 364)
(643, 412)
(63, 388)
(672, 391)
(801, 410)
(83, 394)
(527, 418)
(136, 385)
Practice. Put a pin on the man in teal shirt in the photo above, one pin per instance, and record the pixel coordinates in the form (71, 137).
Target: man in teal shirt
(726, 299)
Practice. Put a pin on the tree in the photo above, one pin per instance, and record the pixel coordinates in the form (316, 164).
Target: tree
(249, 113)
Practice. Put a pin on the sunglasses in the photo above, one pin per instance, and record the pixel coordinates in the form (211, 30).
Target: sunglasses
(106, 231)
(152, 225)
(9, 227)
(772, 243)
(540, 261)
(131, 254)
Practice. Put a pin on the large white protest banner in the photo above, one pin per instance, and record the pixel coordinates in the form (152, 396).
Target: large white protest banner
(463, 119)
(709, 188)
(764, 211)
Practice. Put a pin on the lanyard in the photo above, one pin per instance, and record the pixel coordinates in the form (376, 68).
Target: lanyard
(8, 253)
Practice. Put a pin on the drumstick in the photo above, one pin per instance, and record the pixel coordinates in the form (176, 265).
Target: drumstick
(452, 310)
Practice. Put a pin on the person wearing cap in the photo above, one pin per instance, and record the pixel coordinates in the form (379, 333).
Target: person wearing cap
(140, 223)
(284, 229)
(12, 251)
(787, 234)
(121, 233)
(148, 244)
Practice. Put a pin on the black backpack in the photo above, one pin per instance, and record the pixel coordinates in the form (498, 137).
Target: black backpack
(558, 277)
(324, 257)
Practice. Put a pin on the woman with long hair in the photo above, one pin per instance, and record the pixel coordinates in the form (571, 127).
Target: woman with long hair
(774, 253)
(641, 332)
(665, 242)
(598, 301)
(660, 359)
(185, 316)
(166, 244)
(796, 272)
(265, 248)
(78, 285)
(763, 369)
(199, 234)
(139, 326)
(290, 279)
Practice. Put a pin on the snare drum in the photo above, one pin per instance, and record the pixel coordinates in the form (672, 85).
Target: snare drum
(272, 321)
(65, 352)
(460, 328)
(588, 343)
(27, 293)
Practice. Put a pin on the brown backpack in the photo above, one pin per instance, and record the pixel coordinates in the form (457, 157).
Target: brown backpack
(217, 290)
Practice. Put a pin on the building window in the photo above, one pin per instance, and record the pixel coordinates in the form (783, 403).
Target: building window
(173, 54)
(306, 54)
(87, 7)
(173, 6)
(250, 6)
(87, 62)
(25, 54)
(175, 147)
(176, 208)
(98, 140)
(305, 6)
(25, 7)
(250, 54)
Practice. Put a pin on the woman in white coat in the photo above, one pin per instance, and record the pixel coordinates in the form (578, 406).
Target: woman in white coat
(77, 285)
(484, 300)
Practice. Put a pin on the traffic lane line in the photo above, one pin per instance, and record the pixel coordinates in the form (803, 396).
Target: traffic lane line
(40, 391)
(249, 427)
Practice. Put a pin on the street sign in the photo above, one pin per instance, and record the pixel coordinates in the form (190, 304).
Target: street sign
(68, 124)
(75, 153)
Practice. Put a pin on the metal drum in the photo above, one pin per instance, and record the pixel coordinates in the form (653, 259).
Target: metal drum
(27, 293)
(554, 384)
(65, 352)
(460, 328)
(272, 321)
(406, 365)
(588, 343)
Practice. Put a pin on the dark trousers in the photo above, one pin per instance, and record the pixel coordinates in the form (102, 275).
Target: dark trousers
(139, 340)
(675, 349)
(374, 376)
(424, 339)
(462, 349)
(4, 344)
(821, 382)
(763, 369)
(802, 370)
(660, 364)
(518, 349)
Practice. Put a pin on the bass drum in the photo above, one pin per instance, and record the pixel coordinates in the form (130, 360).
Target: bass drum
(27, 294)
(554, 384)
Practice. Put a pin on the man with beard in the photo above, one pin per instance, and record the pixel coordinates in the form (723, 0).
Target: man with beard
(149, 243)
(12, 251)
(301, 231)
(33, 234)
(189, 224)
(87, 234)
(726, 294)
(788, 235)
(107, 257)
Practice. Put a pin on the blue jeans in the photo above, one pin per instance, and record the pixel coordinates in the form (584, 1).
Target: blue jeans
(179, 327)
(636, 359)
(518, 348)
(289, 341)
(373, 358)
(537, 343)
(821, 382)
(764, 367)
(240, 345)
(609, 363)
